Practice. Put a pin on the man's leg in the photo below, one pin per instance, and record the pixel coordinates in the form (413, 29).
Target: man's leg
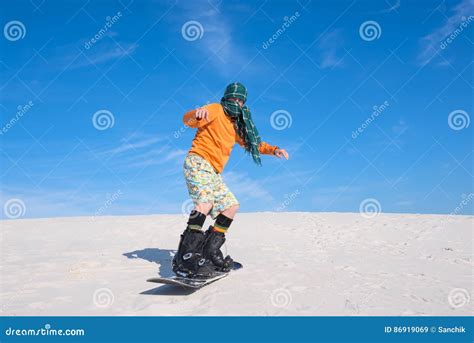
(188, 259)
(203, 208)
(231, 211)
(224, 210)
(225, 218)
(197, 217)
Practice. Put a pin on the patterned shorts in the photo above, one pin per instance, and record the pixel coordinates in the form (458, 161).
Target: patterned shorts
(207, 186)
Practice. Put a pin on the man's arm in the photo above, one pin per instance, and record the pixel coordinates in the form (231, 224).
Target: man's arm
(199, 117)
(266, 149)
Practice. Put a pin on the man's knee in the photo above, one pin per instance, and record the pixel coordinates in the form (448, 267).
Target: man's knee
(204, 207)
(231, 211)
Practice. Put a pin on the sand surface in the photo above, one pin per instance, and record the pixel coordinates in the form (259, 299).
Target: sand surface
(294, 264)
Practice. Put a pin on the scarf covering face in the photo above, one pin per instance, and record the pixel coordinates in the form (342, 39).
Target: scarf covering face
(242, 119)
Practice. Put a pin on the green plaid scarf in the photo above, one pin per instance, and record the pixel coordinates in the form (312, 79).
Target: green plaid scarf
(242, 119)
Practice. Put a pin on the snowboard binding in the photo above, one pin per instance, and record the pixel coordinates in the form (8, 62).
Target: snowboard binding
(199, 255)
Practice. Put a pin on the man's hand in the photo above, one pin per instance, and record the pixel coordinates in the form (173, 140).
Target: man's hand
(202, 113)
(280, 153)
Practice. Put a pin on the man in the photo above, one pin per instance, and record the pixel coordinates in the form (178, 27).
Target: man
(219, 126)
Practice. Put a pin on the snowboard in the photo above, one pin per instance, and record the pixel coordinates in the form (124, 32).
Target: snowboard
(192, 283)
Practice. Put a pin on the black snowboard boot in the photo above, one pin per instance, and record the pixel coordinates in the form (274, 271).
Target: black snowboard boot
(189, 261)
(212, 251)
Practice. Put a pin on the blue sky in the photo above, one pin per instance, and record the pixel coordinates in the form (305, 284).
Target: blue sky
(368, 97)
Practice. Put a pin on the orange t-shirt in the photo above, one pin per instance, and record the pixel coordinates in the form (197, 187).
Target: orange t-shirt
(216, 136)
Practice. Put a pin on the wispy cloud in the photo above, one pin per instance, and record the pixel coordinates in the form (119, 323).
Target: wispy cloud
(74, 56)
(217, 43)
(430, 44)
(247, 188)
(165, 154)
(133, 145)
(330, 47)
(45, 204)
(144, 150)
(105, 53)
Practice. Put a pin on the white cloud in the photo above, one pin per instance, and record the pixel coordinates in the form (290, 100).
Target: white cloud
(105, 53)
(330, 46)
(217, 43)
(247, 188)
(430, 44)
(138, 144)
(162, 155)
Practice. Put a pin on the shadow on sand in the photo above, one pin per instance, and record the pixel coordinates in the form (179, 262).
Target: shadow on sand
(163, 258)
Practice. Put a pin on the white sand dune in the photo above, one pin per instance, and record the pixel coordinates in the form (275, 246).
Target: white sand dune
(294, 264)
